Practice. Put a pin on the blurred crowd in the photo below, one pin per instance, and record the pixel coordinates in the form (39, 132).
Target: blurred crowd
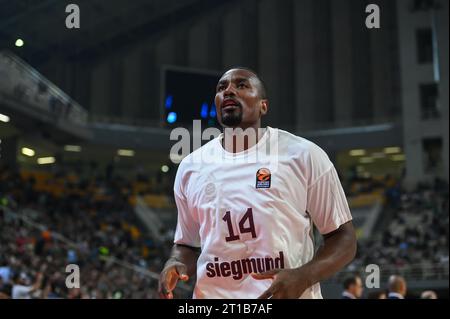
(90, 222)
(99, 234)
(414, 233)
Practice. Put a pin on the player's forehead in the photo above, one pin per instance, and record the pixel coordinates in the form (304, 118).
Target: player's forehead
(238, 75)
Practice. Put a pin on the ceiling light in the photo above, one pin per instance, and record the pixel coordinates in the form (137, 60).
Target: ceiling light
(28, 151)
(72, 148)
(46, 160)
(392, 150)
(357, 152)
(124, 152)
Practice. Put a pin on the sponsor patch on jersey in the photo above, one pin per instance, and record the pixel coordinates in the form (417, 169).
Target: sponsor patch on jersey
(263, 177)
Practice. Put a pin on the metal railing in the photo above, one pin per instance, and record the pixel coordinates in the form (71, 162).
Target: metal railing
(105, 119)
(22, 82)
(305, 128)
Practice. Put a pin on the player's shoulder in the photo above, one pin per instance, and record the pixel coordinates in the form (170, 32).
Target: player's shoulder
(299, 146)
(306, 153)
(192, 164)
(196, 157)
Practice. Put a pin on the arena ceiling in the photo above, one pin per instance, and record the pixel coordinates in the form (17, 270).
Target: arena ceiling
(106, 25)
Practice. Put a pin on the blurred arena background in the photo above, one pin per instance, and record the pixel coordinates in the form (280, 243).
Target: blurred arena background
(86, 114)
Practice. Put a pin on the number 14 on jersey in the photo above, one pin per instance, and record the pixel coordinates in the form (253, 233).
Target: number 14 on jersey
(246, 225)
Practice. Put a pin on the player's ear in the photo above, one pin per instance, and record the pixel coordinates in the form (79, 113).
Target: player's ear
(264, 107)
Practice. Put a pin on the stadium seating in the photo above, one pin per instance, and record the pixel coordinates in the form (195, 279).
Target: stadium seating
(48, 220)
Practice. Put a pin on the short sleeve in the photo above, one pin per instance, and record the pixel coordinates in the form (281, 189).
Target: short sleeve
(326, 202)
(187, 230)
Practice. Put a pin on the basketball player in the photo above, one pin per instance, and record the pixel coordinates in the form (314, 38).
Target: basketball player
(245, 226)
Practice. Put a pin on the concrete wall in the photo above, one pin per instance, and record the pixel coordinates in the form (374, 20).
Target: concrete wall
(412, 75)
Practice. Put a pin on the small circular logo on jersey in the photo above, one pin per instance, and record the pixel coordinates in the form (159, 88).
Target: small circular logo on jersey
(210, 191)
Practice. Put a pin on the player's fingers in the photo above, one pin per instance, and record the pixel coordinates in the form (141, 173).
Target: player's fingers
(171, 280)
(165, 295)
(265, 275)
(266, 294)
(162, 291)
(182, 272)
(167, 282)
(276, 296)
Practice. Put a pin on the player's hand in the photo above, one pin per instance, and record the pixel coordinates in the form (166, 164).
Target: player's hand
(172, 272)
(287, 283)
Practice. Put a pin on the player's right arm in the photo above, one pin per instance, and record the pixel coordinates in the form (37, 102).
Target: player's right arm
(181, 265)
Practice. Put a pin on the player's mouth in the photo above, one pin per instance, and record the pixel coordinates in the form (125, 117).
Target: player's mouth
(230, 105)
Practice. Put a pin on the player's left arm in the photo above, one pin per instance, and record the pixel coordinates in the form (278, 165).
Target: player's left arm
(338, 249)
(327, 206)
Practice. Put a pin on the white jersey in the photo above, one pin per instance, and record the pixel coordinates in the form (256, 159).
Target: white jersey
(253, 211)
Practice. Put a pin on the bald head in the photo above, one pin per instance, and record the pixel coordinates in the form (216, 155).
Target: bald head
(428, 294)
(397, 284)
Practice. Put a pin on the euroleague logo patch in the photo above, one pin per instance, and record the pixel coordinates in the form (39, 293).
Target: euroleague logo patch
(263, 177)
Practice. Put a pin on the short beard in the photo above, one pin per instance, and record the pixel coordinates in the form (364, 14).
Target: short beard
(232, 120)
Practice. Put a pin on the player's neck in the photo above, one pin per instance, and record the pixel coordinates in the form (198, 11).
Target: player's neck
(237, 140)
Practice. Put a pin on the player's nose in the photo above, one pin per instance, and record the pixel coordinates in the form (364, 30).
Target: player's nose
(229, 91)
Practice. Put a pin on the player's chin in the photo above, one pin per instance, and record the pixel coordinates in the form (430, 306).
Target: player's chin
(231, 119)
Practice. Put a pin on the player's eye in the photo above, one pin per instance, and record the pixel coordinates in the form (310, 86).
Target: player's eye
(220, 88)
(241, 85)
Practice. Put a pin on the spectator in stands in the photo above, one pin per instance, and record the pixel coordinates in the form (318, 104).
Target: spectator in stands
(95, 214)
(415, 237)
(353, 287)
(20, 290)
(397, 287)
(428, 294)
